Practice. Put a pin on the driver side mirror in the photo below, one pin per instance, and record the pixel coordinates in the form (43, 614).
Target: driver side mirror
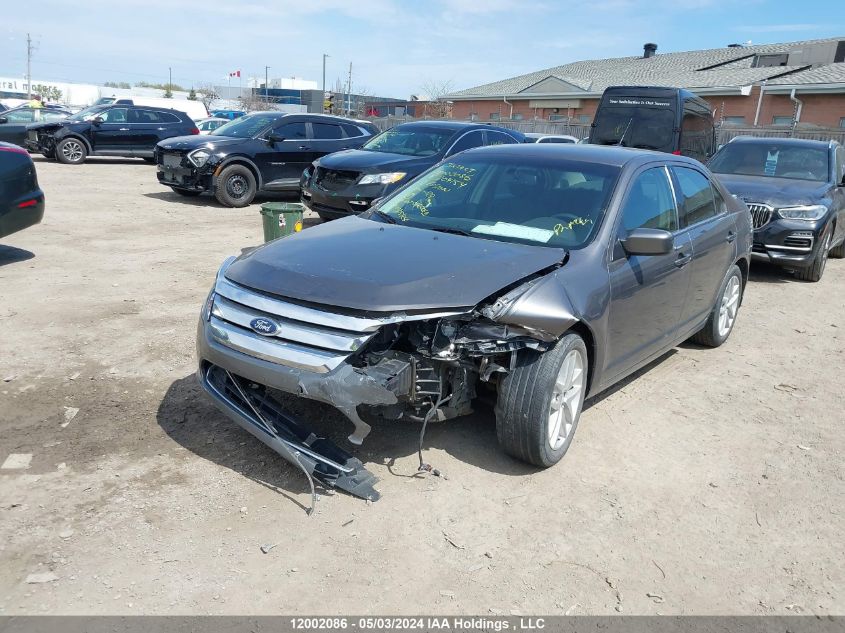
(3, 119)
(274, 138)
(648, 242)
(98, 120)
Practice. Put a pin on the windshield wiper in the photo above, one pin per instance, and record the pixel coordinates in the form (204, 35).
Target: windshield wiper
(387, 218)
(446, 229)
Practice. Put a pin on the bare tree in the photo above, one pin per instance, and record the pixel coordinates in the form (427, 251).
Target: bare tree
(207, 94)
(435, 91)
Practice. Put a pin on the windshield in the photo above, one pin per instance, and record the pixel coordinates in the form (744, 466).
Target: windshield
(246, 126)
(508, 198)
(773, 160)
(623, 121)
(88, 113)
(411, 141)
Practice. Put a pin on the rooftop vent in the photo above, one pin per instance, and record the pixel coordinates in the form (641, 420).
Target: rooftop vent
(734, 45)
(649, 50)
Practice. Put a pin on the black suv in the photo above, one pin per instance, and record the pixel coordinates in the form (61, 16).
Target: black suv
(347, 182)
(108, 130)
(263, 151)
(795, 190)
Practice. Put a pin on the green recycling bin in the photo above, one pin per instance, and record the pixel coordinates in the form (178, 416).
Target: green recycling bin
(281, 219)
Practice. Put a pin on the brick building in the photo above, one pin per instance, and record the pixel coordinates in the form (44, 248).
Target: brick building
(802, 83)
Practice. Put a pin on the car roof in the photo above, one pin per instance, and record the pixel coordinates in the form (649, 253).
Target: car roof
(599, 154)
(768, 140)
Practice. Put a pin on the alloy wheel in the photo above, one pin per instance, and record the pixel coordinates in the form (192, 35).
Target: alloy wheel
(729, 306)
(566, 399)
(72, 150)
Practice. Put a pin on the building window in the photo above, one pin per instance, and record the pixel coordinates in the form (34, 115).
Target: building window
(781, 120)
(734, 120)
(516, 117)
(584, 118)
(558, 117)
(495, 116)
(842, 122)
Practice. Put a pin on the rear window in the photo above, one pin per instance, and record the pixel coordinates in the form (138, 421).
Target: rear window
(647, 123)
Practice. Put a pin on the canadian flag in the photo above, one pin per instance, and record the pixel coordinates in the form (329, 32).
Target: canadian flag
(236, 73)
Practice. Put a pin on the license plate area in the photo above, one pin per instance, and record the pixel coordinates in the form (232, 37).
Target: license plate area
(172, 160)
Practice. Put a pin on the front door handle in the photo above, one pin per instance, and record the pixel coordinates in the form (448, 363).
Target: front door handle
(731, 236)
(123, 129)
(683, 260)
(304, 147)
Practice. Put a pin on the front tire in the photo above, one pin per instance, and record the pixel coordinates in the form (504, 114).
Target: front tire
(71, 151)
(838, 252)
(188, 193)
(722, 317)
(235, 186)
(815, 271)
(540, 402)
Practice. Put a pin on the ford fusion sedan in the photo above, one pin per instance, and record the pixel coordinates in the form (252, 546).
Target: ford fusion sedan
(795, 190)
(541, 273)
(21, 199)
(347, 182)
(263, 151)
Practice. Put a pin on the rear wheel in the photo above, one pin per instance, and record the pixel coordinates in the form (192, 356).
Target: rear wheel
(188, 193)
(235, 186)
(71, 151)
(722, 317)
(815, 271)
(540, 402)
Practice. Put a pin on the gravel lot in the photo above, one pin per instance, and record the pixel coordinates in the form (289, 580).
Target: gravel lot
(712, 483)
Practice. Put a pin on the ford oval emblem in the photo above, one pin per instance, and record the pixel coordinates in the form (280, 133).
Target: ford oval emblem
(264, 327)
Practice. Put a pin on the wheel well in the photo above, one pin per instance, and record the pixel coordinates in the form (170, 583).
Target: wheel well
(244, 163)
(589, 340)
(78, 138)
(742, 264)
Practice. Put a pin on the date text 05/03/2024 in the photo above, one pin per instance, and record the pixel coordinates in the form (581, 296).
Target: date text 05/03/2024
(419, 623)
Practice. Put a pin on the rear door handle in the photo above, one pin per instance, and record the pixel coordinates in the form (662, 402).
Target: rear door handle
(731, 236)
(682, 260)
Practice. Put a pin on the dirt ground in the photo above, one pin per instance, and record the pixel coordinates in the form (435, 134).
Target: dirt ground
(711, 483)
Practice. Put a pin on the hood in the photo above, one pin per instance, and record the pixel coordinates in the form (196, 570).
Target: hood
(776, 192)
(373, 162)
(368, 265)
(51, 125)
(195, 141)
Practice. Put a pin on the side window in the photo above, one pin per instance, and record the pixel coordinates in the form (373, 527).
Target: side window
(721, 205)
(26, 115)
(292, 131)
(695, 136)
(468, 141)
(499, 138)
(136, 115)
(115, 115)
(650, 204)
(840, 161)
(327, 131)
(47, 115)
(351, 131)
(696, 195)
(167, 117)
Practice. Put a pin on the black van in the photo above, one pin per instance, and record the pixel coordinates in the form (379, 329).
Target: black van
(670, 120)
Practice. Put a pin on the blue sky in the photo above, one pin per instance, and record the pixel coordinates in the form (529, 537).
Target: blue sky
(397, 47)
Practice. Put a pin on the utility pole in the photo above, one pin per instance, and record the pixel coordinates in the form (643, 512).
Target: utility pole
(28, 67)
(266, 85)
(350, 87)
(169, 79)
(324, 75)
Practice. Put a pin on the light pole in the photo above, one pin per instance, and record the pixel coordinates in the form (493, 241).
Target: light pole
(266, 85)
(324, 75)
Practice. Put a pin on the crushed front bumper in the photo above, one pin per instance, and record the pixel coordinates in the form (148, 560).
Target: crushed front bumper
(174, 170)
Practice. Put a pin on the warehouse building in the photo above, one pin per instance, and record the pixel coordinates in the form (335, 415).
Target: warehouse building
(793, 83)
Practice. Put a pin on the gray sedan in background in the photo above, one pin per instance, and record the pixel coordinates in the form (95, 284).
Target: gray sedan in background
(541, 274)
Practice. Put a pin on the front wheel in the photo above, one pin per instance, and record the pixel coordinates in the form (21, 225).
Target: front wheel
(815, 271)
(71, 151)
(722, 317)
(235, 186)
(540, 402)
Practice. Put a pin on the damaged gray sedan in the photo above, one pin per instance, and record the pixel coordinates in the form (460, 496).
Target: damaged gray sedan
(540, 273)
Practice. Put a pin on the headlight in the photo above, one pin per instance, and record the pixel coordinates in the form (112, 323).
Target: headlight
(806, 212)
(199, 157)
(382, 179)
(208, 306)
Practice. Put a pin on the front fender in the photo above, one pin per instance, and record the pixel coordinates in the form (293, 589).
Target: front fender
(540, 305)
(237, 158)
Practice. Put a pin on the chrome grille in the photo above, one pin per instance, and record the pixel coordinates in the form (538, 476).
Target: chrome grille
(760, 214)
